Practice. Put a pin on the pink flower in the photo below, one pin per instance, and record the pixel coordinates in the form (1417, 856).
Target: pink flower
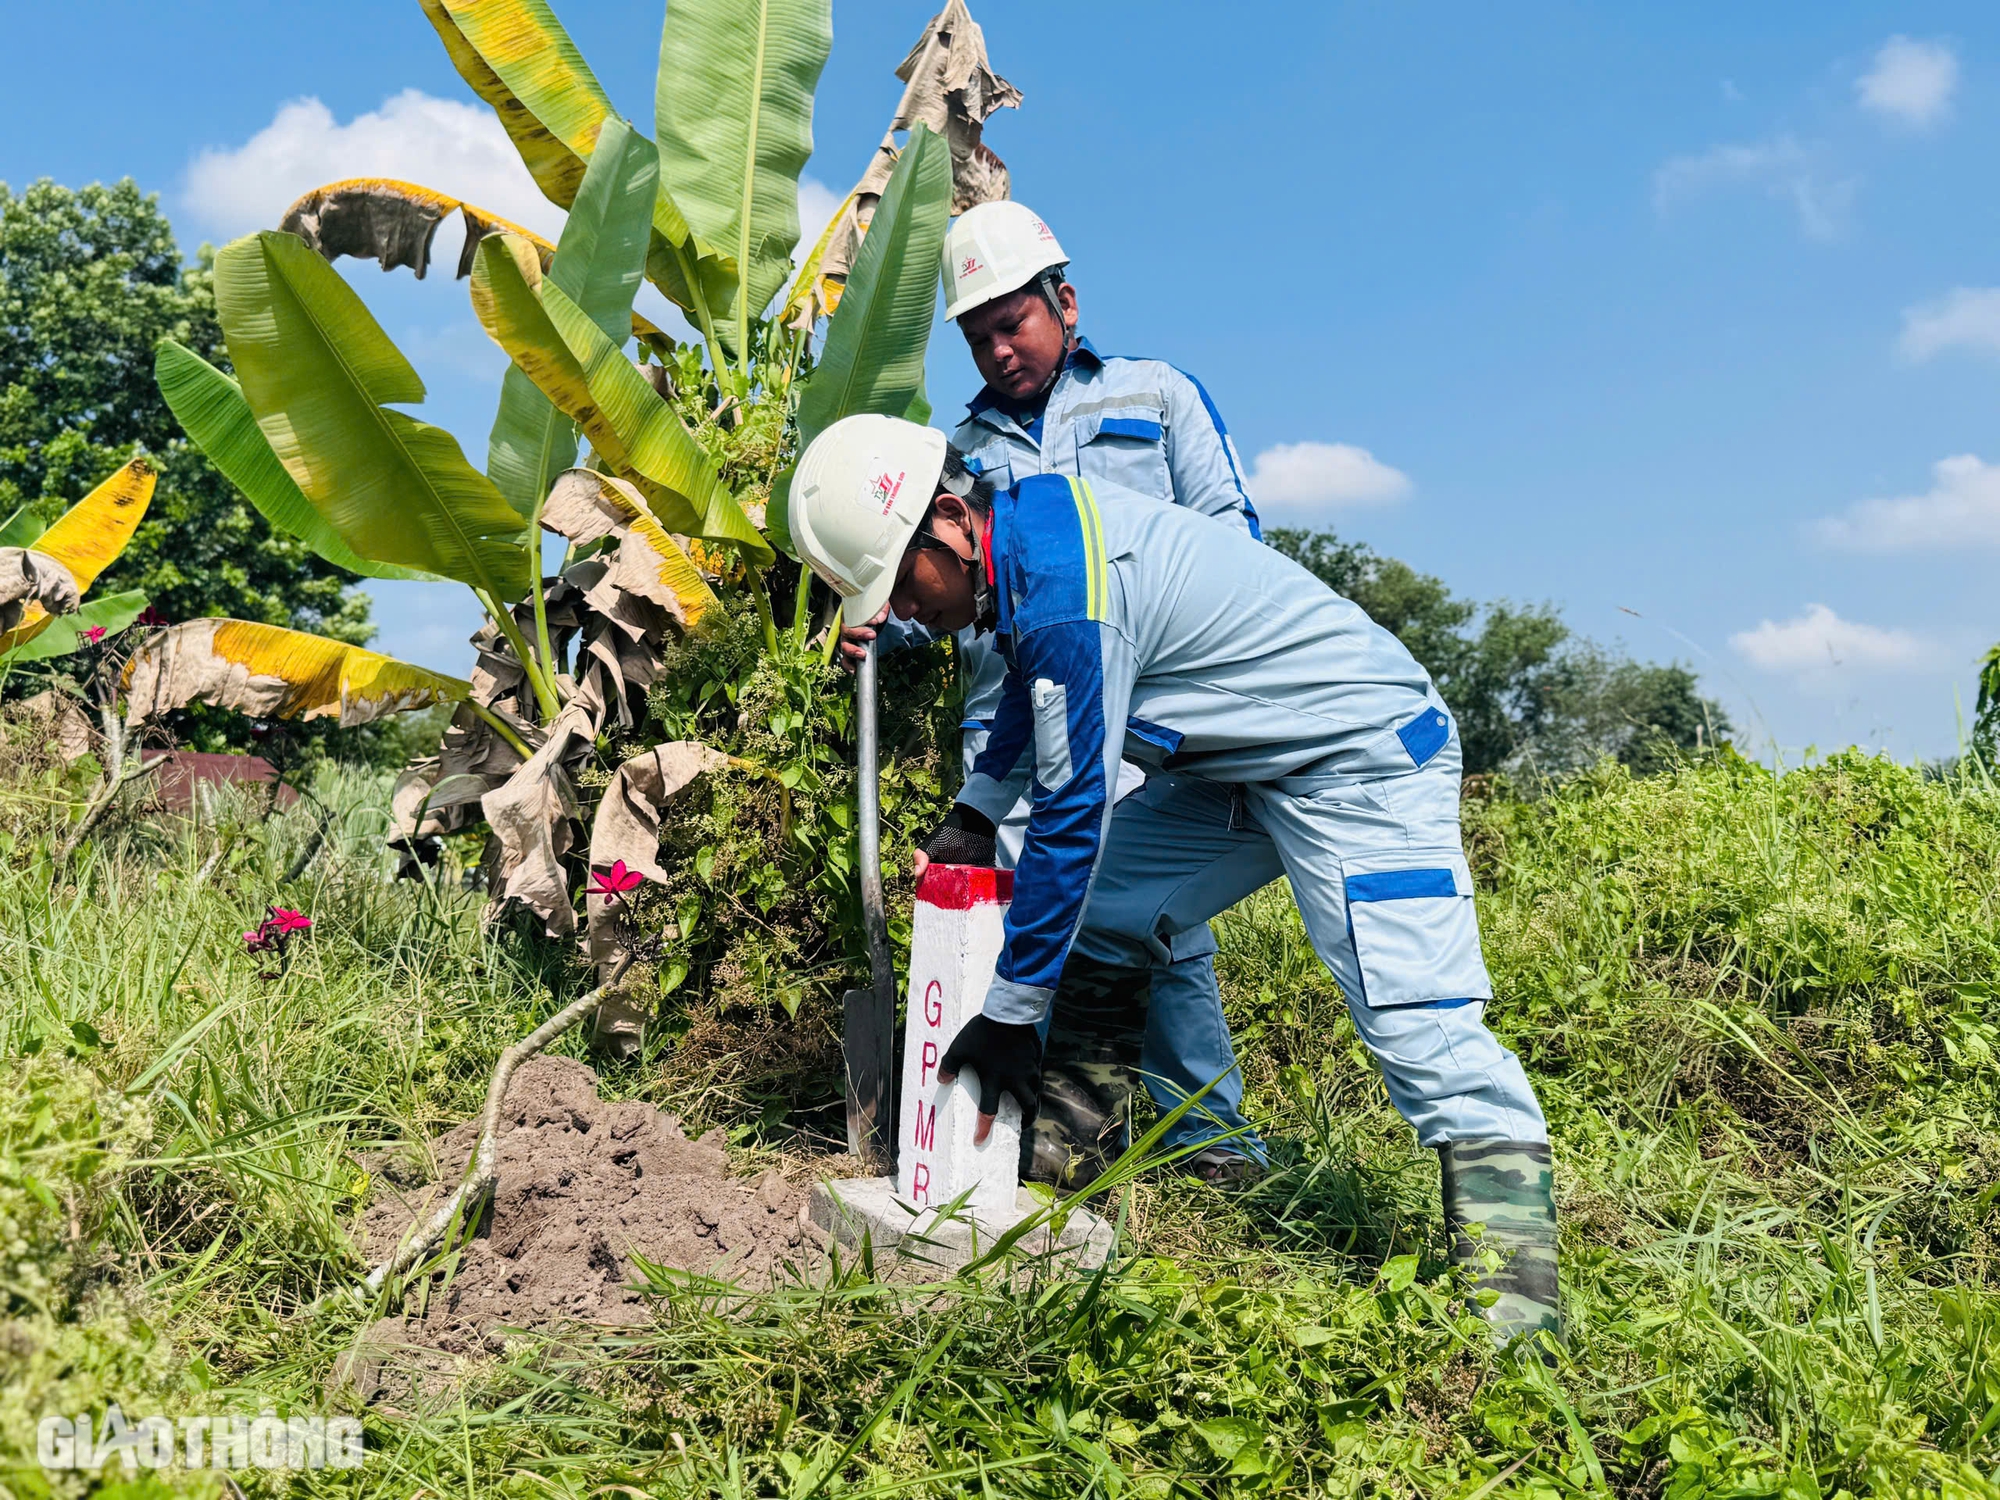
(613, 883)
(151, 618)
(275, 931)
(94, 634)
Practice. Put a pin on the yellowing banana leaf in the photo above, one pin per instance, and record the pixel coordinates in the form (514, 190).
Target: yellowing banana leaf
(599, 262)
(20, 529)
(273, 673)
(516, 56)
(210, 407)
(320, 375)
(84, 541)
(662, 448)
(392, 220)
(89, 536)
(813, 295)
(526, 38)
(586, 506)
(65, 634)
(630, 427)
(733, 114)
(506, 294)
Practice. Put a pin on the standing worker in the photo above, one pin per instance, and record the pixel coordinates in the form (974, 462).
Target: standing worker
(1053, 404)
(1306, 742)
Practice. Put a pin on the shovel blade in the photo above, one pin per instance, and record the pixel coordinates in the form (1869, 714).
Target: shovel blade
(869, 1043)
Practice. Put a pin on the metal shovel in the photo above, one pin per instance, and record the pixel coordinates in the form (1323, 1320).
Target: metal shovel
(868, 1038)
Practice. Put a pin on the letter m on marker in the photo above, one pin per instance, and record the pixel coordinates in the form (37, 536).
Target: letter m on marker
(925, 1136)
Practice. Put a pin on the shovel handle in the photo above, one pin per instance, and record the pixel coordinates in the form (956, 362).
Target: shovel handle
(869, 1041)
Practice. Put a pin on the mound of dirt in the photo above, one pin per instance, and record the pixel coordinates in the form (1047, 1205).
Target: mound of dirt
(583, 1186)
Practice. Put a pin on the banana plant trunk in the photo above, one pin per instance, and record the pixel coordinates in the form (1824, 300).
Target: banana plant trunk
(869, 1039)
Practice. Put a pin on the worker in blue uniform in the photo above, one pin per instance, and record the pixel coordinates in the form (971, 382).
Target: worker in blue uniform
(1284, 732)
(1053, 404)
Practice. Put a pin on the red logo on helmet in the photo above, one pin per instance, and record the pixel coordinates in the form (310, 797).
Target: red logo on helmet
(1042, 232)
(971, 264)
(886, 487)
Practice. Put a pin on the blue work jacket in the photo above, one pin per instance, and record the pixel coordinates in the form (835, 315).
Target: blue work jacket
(1139, 631)
(1139, 423)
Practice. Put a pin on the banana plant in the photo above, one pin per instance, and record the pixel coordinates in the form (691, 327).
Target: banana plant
(679, 505)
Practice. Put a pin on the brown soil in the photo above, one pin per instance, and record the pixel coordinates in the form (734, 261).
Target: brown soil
(583, 1185)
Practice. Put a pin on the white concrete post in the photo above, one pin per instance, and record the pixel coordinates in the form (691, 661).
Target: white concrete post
(954, 943)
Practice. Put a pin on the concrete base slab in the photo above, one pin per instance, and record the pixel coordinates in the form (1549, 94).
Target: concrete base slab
(920, 1243)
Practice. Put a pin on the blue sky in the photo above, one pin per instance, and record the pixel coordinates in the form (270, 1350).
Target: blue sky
(1684, 318)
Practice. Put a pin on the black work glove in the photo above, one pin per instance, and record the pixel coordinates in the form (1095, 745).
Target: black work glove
(966, 837)
(1008, 1059)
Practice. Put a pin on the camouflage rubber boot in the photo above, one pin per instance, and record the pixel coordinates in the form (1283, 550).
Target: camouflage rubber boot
(1090, 1069)
(1509, 1188)
(618, 1029)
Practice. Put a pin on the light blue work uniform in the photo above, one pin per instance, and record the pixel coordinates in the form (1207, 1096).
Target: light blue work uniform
(1287, 733)
(1145, 425)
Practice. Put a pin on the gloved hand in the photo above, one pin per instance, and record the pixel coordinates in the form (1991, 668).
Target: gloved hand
(966, 837)
(1008, 1059)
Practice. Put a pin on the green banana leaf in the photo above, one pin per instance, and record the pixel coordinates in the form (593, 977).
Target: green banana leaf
(64, 634)
(600, 261)
(21, 529)
(733, 113)
(601, 256)
(873, 360)
(638, 435)
(211, 409)
(530, 444)
(515, 55)
(320, 375)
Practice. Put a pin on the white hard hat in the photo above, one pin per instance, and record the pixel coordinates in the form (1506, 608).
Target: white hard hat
(992, 249)
(859, 494)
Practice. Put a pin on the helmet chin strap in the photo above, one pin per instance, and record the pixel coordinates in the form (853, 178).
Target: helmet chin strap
(1049, 283)
(985, 599)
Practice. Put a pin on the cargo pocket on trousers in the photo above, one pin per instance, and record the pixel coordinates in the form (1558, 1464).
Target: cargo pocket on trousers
(1416, 936)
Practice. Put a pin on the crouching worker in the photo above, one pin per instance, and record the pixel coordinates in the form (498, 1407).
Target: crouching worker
(1287, 734)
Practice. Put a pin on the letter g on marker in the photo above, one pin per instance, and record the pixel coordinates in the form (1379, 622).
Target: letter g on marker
(934, 1002)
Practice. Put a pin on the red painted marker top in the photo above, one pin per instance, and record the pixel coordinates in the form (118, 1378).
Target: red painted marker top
(961, 887)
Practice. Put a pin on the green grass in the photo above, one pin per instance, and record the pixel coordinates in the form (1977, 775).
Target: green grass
(1761, 1012)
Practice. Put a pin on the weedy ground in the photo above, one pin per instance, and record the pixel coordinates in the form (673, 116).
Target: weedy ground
(1762, 1012)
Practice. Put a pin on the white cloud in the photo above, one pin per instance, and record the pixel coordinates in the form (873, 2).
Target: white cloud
(1966, 318)
(1911, 82)
(453, 147)
(818, 203)
(1782, 167)
(1819, 641)
(1961, 509)
(1300, 477)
